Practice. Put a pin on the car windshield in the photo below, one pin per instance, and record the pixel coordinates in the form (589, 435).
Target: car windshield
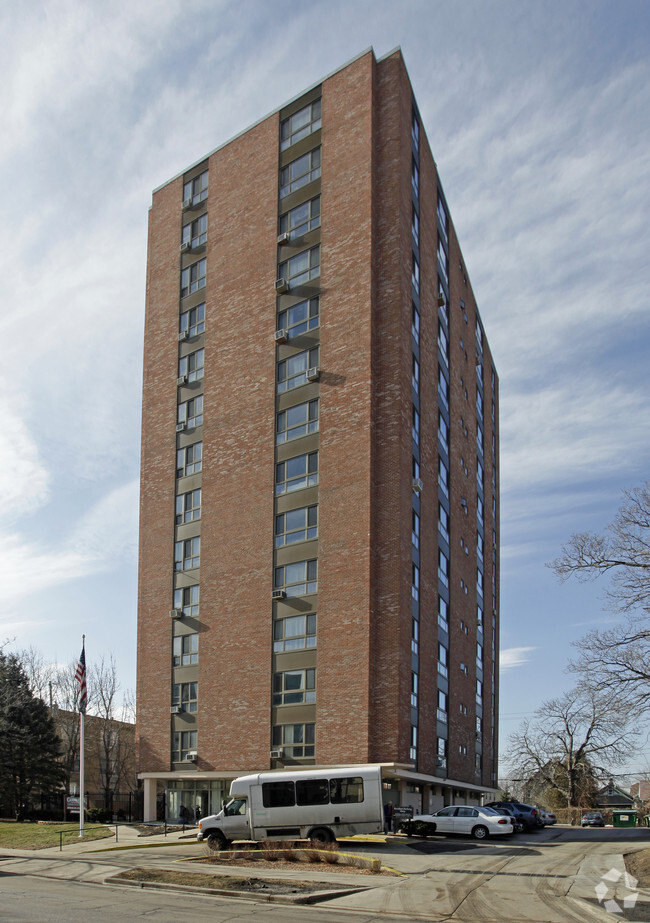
(486, 810)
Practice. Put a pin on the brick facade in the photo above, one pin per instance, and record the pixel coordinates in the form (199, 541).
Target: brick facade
(367, 656)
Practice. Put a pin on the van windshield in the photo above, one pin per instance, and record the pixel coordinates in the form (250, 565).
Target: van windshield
(236, 806)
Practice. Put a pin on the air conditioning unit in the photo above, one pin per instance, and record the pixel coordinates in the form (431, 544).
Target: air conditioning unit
(284, 238)
(279, 594)
(185, 246)
(192, 756)
(176, 613)
(277, 754)
(281, 286)
(281, 336)
(417, 485)
(175, 710)
(180, 427)
(313, 374)
(181, 380)
(183, 335)
(187, 203)
(441, 300)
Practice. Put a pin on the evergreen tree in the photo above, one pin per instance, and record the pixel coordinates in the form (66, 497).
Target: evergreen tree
(29, 749)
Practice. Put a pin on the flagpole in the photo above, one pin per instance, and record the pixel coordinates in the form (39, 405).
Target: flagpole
(80, 676)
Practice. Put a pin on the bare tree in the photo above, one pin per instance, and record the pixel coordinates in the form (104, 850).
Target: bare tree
(617, 660)
(623, 551)
(114, 746)
(572, 739)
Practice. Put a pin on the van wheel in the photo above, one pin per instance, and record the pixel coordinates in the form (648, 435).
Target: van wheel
(217, 840)
(479, 833)
(321, 835)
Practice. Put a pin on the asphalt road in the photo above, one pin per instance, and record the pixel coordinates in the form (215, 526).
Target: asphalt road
(559, 875)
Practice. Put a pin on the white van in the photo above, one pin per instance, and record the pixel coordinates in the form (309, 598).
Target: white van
(304, 804)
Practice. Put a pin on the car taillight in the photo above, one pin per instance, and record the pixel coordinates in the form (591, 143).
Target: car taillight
(533, 812)
(503, 821)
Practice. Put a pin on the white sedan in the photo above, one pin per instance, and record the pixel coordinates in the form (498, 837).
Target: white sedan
(478, 822)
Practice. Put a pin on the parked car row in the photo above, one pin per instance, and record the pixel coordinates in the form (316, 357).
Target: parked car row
(480, 821)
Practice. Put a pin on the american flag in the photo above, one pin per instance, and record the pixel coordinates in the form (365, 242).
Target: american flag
(80, 676)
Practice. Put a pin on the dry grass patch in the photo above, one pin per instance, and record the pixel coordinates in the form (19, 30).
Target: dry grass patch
(272, 854)
(638, 865)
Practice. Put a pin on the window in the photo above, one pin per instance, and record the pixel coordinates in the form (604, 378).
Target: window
(187, 554)
(443, 477)
(300, 268)
(479, 405)
(415, 636)
(479, 656)
(187, 599)
(415, 324)
(183, 743)
(442, 753)
(292, 372)
(479, 616)
(415, 375)
(443, 568)
(413, 749)
(300, 172)
(479, 474)
(443, 613)
(297, 421)
(296, 633)
(443, 262)
(479, 437)
(186, 650)
(415, 131)
(193, 320)
(442, 706)
(479, 692)
(296, 473)
(415, 227)
(479, 581)
(443, 309)
(443, 431)
(443, 344)
(415, 530)
(192, 365)
(443, 389)
(188, 506)
(415, 581)
(300, 124)
(479, 336)
(443, 522)
(191, 412)
(196, 232)
(463, 668)
(186, 695)
(278, 794)
(297, 740)
(297, 579)
(415, 429)
(312, 791)
(479, 510)
(193, 277)
(415, 178)
(416, 467)
(296, 526)
(301, 219)
(414, 690)
(479, 546)
(189, 460)
(300, 317)
(294, 687)
(442, 660)
(442, 218)
(196, 189)
(415, 273)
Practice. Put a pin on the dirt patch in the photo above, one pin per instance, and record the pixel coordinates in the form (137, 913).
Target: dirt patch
(287, 865)
(223, 882)
(158, 830)
(638, 865)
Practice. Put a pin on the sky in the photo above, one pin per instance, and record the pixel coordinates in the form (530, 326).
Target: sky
(537, 114)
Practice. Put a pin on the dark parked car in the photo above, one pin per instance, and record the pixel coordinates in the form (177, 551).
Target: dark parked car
(508, 811)
(526, 814)
(592, 819)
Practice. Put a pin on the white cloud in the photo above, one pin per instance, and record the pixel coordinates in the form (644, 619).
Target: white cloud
(514, 657)
(24, 481)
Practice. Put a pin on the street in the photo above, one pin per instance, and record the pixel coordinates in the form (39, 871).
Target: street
(553, 876)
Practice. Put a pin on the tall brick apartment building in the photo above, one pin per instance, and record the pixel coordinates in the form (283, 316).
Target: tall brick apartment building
(319, 501)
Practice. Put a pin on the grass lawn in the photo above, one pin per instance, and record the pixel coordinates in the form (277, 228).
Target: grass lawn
(41, 836)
